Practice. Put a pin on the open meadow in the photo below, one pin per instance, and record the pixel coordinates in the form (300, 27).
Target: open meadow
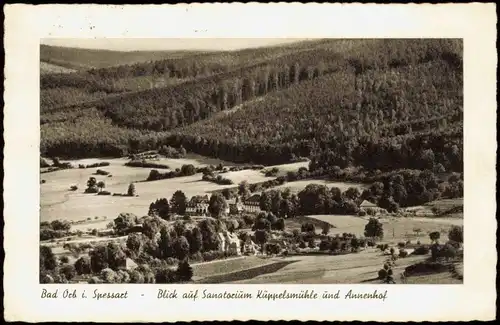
(59, 202)
(396, 229)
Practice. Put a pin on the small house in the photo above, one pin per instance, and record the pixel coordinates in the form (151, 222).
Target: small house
(252, 204)
(234, 206)
(368, 207)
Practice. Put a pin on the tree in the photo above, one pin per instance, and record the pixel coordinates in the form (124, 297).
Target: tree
(262, 223)
(307, 227)
(209, 234)
(326, 228)
(195, 241)
(217, 205)
(244, 190)
(123, 222)
(151, 226)
(178, 202)
(434, 236)
(109, 276)
(82, 265)
(91, 182)
(227, 193)
(48, 260)
(265, 201)
(107, 256)
(456, 234)
(188, 170)
(184, 271)
(131, 190)
(280, 224)
(261, 237)
(68, 271)
(352, 193)
(165, 275)
(374, 229)
(101, 185)
(181, 248)
(160, 208)
(165, 244)
(135, 243)
(136, 276)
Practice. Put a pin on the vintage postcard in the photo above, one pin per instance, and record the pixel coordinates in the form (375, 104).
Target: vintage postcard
(250, 162)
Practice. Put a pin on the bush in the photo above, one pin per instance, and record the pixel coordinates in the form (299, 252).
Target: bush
(92, 190)
(102, 172)
(362, 213)
(401, 244)
(324, 245)
(425, 268)
(73, 188)
(382, 274)
(104, 193)
(403, 253)
(184, 271)
(421, 250)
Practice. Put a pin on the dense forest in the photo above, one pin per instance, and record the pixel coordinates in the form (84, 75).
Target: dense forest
(381, 104)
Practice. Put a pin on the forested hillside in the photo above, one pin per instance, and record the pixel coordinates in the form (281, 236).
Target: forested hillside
(374, 103)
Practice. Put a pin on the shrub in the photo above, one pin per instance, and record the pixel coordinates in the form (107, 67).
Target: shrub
(104, 193)
(302, 244)
(382, 274)
(73, 188)
(401, 244)
(362, 213)
(425, 268)
(92, 190)
(403, 253)
(184, 271)
(64, 259)
(456, 234)
(102, 172)
(68, 271)
(170, 261)
(324, 245)
(421, 250)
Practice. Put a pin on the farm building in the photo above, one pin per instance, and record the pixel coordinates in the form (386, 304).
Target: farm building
(368, 207)
(250, 248)
(252, 204)
(229, 243)
(128, 264)
(234, 206)
(198, 205)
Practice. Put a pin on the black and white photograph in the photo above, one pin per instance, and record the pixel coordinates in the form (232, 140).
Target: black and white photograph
(251, 161)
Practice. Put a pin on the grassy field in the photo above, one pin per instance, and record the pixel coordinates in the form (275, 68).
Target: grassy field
(203, 270)
(395, 229)
(58, 202)
(355, 268)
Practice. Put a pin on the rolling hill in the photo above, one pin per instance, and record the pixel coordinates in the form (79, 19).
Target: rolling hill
(339, 102)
